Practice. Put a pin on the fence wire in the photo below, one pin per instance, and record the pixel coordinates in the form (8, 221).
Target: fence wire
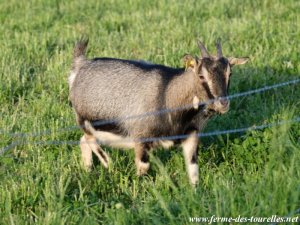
(154, 139)
(152, 113)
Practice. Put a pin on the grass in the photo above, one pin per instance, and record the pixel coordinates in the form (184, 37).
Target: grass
(251, 174)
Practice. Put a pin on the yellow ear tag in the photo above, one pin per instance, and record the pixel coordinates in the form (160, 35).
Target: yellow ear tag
(189, 63)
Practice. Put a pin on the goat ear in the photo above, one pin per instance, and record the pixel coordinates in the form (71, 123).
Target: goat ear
(237, 61)
(189, 62)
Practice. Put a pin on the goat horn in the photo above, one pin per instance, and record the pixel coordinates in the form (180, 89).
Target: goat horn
(203, 50)
(219, 48)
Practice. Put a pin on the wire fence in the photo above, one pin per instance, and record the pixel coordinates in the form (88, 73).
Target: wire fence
(154, 139)
(153, 113)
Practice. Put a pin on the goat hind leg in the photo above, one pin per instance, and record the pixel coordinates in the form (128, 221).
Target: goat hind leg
(141, 158)
(97, 150)
(102, 156)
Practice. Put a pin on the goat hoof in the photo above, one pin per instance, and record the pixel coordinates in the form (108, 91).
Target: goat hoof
(142, 168)
(194, 182)
(87, 168)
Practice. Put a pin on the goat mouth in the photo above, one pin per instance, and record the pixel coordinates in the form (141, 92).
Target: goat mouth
(218, 108)
(221, 110)
(221, 106)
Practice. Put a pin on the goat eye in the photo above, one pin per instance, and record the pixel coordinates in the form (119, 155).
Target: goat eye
(201, 77)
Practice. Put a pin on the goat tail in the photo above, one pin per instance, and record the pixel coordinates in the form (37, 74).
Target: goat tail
(78, 59)
(107, 138)
(80, 47)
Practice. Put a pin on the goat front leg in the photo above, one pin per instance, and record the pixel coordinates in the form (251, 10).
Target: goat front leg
(141, 158)
(190, 152)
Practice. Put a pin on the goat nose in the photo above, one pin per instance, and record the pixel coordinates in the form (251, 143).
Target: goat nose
(224, 102)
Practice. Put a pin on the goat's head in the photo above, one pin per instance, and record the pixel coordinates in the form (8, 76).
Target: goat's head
(214, 73)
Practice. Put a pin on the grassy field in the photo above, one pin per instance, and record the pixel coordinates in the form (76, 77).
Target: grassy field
(252, 174)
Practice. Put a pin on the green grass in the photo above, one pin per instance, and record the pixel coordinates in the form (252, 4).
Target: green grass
(254, 174)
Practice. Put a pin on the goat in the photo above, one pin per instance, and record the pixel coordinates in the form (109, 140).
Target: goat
(104, 89)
